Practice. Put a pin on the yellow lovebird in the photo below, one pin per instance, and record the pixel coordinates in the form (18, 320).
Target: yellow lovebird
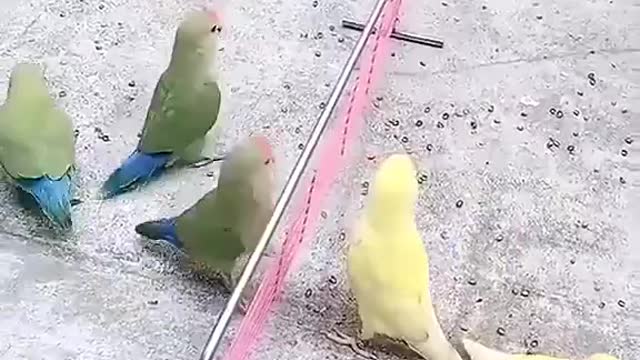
(388, 265)
(478, 351)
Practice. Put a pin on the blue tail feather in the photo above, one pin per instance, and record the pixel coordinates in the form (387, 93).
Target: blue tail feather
(53, 197)
(137, 170)
(163, 229)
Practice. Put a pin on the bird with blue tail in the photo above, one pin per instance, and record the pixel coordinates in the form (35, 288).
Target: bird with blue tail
(220, 231)
(184, 108)
(37, 144)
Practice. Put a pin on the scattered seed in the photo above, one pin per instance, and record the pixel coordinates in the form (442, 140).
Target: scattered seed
(621, 303)
(472, 282)
(501, 331)
(628, 140)
(322, 105)
(552, 111)
(499, 238)
(515, 291)
(591, 75)
(62, 93)
(580, 93)
(459, 203)
(592, 82)
(318, 53)
(105, 138)
(497, 121)
(394, 122)
(523, 114)
(491, 108)
(333, 279)
(524, 293)
(570, 149)
(520, 127)
(559, 114)
(422, 178)
(319, 35)
(132, 83)
(464, 328)
(427, 110)
(342, 236)
(422, 63)
(445, 116)
(323, 214)
(576, 112)
(572, 261)
(404, 139)
(601, 305)
(429, 147)
(419, 123)
(314, 3)
(340, 39)
(75, 202)
(332, 28)
(624, 152)
(622, 180)
(478, 300)
(474, 125)
(300, 146)
(152, 302)
(440, 125)
(308, 293)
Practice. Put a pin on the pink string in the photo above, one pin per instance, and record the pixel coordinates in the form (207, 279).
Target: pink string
(332, 158)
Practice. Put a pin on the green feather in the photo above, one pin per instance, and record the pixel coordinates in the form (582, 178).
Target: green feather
(229, 220)
(36, 138)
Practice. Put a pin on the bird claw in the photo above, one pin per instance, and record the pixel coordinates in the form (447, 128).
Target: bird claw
(343, 339)
(242, 306)
(206, 161)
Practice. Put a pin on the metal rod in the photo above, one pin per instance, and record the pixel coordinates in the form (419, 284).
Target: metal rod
(289, 188)
(403, 36)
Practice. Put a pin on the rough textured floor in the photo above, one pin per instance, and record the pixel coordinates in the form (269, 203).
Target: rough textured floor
(541, 254)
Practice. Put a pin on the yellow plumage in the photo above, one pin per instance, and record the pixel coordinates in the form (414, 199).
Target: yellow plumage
(388, 265)
(478, 351)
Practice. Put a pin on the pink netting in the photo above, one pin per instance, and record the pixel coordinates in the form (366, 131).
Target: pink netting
(332, 158)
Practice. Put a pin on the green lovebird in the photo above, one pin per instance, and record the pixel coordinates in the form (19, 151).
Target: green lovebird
(37, 144)
(221, 230)
(184, 107)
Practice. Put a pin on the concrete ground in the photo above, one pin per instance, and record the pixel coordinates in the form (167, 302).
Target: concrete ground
(539, 256)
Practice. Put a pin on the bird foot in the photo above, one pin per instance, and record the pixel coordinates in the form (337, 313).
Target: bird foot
(341, 338)
(206, 161)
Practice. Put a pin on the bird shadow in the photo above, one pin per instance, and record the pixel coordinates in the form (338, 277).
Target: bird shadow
(182, 263)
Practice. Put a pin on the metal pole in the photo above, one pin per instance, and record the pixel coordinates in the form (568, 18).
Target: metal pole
(403, 36)
(289, 188)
